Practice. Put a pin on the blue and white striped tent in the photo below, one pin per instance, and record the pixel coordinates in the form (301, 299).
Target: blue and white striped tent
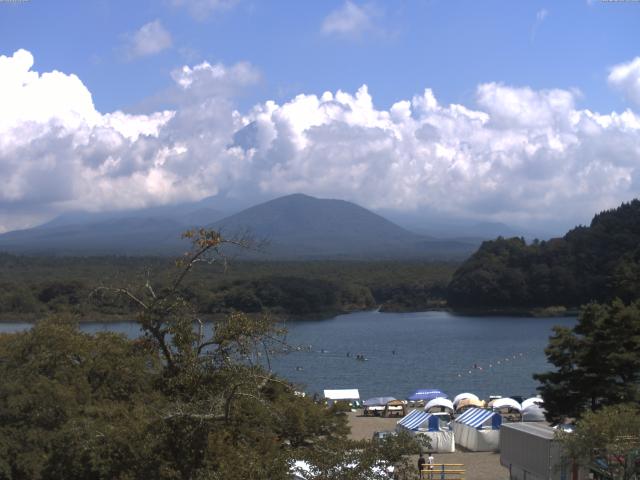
(419, 422)
(419, 419)
(479, 418)
(478, 430)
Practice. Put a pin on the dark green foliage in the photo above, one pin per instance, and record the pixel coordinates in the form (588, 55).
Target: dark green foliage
(607, 441)
(31, 286)
(77, 406)
(294, 296)
(74, 405)
(595, 263)
(597, 362)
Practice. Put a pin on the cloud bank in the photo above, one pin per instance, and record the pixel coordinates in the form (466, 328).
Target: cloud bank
(516, 155)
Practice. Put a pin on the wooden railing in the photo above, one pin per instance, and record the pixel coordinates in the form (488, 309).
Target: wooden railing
(444, 471)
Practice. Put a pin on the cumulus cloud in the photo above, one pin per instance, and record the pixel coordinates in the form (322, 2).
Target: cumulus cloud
(517, 154)
(350, 19)
(625, 77)
(205, 80)
(150, 39)
(523, 154)
(202, 9)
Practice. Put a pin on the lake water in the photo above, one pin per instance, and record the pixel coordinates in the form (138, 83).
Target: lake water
(407, 351)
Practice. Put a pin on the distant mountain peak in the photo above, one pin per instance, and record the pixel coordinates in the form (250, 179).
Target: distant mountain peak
(298, 226)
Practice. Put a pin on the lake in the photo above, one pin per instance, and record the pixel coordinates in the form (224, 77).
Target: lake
(407, 351)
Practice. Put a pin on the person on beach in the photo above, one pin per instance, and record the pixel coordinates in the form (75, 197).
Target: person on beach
(421, 463)
(430, 464)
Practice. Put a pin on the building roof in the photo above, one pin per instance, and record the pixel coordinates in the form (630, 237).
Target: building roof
(536, 429)
(345, 394)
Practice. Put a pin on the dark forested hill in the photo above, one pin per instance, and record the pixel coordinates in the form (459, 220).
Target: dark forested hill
(598, 262)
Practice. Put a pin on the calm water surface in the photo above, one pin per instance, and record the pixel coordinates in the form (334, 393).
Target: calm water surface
(407, 351)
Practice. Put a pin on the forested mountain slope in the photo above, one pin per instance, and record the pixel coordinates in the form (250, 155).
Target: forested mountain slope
(598, 262)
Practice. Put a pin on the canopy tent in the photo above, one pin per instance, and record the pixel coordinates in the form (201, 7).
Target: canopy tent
(531, 401)
(350, 395)
(467, 403)
(377, 401)
(380, 406)
(439, 405)
(396, 407)
(426, 395)
(464, 396)
(533, 413)
(505, 403)
(419, 422)
(478, 430)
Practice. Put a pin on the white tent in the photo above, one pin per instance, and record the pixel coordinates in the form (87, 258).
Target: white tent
(532, 401)
(506, 402)
(533, 413)
(478, 430)
(439, 405)
(462, 396)
(347, 395)
(419, 422)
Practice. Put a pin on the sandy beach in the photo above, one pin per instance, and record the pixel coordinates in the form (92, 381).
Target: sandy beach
(478, 465)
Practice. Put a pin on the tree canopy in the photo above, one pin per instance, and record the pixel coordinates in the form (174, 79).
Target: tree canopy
(184, 401)
(595, 263)
(597, 362)
(607, 441)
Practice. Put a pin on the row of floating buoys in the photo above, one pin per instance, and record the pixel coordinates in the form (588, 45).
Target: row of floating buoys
(493, 364)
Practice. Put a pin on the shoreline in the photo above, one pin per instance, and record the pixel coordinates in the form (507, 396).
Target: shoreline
(546, 312)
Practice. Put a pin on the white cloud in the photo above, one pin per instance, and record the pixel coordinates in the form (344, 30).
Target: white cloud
(625, 77)
(519, 155)
(150, 39)
(202, 9)
(350, 19)
(540, 17)
(205, 80)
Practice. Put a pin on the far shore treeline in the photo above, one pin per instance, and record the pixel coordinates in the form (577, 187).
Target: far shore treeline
(31, 287)
(598, 262)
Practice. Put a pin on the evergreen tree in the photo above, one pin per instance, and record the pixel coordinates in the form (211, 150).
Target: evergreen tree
(597, 362)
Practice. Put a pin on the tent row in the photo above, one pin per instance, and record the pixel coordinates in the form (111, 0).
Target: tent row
(477, 429)
(434, 398)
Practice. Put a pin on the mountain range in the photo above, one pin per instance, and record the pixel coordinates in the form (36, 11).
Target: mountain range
(295, 226)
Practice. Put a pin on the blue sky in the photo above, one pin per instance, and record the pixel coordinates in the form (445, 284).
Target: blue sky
(516, 86)
(449, 46)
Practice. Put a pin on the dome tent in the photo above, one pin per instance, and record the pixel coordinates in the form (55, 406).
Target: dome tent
(532, 401)
(464, 396)
(533, 413)
(505, 403)
(440, 404)
(467, 403)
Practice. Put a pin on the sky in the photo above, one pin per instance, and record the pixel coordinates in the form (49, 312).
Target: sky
(522, 112)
